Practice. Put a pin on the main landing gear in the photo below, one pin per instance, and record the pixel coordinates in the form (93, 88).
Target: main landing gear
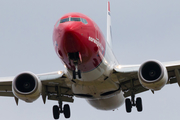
(130, 103)
(57, 110)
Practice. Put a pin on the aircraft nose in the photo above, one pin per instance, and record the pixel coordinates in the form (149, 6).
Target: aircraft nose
(71, 38)
(71, 27)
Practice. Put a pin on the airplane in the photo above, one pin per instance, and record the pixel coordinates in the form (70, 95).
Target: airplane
(91, 71)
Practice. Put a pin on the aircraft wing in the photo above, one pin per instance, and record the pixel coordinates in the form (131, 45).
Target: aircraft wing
(127, 75)
(54, 84)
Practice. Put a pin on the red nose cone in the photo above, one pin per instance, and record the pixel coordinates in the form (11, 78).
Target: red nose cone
(71, 39)
(71, 42)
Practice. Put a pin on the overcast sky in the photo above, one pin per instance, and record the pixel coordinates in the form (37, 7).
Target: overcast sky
(142, 30)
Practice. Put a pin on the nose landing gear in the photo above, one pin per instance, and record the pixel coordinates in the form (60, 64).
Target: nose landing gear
(75, 57)
(78, 72)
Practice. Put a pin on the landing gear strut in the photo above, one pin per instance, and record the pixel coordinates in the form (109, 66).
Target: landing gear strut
(76, 72)
(75, 57)
(130, 103)
(57, 110)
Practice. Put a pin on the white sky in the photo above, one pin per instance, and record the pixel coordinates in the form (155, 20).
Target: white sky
(142, 30)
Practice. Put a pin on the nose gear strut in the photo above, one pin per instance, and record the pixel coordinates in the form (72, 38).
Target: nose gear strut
(75, 57)
(76, 72)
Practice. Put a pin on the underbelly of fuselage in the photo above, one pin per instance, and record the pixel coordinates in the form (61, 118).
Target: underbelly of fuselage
(110, 103)
(98, 88)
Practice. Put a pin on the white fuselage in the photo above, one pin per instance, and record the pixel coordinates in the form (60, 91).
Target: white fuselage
(98, 87)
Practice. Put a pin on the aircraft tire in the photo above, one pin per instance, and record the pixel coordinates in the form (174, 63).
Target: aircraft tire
(128, 105)
(79, 73)
(56, 112)
(74, 74)
(139, 104)
(67, 113)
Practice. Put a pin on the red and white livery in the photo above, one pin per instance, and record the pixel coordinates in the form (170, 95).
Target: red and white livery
(91, 71)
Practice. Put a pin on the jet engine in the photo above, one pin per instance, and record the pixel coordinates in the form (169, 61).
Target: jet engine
(26, 86)
(153, 75)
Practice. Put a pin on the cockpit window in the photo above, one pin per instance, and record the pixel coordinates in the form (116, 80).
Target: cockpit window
(58, 23)
(64, 20)
(84, 20)
(75, 19)
(72, 19)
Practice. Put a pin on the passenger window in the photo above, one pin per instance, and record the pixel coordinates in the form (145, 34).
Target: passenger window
(64, 20)
(84, 20)
(75, 19)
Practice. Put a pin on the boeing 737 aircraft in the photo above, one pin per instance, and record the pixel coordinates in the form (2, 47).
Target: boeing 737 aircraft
(91, 71)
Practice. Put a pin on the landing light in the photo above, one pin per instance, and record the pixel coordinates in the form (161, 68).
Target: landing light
(119, 66)
(105, 61)
(59, 72)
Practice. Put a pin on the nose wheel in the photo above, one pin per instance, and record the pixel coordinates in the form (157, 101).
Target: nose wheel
(130, 103)
(76, 72)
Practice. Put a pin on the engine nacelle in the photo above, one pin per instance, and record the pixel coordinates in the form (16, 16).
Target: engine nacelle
(153, 75)
(27, 87)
